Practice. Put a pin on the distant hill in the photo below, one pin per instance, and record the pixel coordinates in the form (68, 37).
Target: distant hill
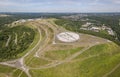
(4, 15)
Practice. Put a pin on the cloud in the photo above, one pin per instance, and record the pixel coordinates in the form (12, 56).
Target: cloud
(116, 1)
(5, 3)
(59, 5)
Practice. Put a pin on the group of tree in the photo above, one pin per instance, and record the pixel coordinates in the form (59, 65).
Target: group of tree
(25, 37)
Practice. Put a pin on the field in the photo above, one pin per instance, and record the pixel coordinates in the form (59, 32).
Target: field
(86, 64)
(6, 71)
(61, 54)
(45, 56)
(115, 72)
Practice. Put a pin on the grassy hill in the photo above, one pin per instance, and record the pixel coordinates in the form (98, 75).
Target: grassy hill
(95, 62)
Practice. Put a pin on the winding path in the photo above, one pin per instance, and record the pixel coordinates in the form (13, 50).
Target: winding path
(43, 43)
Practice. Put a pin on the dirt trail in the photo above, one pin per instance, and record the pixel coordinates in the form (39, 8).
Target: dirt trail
(55, 63)
(46, 39)
(20, 64)
(7, 43)
(16, 38)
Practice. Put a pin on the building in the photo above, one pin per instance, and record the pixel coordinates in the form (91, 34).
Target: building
(96, 29)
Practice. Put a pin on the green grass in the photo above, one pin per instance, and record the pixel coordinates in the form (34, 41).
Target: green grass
(19, 73)
(61, 54)
(116, 73)
(9, 71)
(95, 66)
(30, 60)
(104, 32)
(23, 75)
(109, 48)
(98, 66)
(37, 62)
(2, 75)
(5, 69)
(37, 38)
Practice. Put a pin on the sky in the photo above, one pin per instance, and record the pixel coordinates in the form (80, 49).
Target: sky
(78, 6)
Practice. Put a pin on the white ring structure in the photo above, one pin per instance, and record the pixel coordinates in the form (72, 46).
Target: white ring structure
(68, 37)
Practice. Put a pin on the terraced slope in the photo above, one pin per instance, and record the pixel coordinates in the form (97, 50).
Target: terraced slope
(90, 56)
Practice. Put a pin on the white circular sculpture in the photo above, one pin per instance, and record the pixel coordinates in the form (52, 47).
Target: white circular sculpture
(68, 37)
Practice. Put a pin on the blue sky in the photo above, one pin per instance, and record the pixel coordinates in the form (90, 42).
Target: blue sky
(59, 5)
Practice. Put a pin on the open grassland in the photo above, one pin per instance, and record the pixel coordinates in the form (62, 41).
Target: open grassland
(102, 49)
(19, 73)
(37, 62)
(61, 54)
(6, 71)
(115, 73)
(95, 62)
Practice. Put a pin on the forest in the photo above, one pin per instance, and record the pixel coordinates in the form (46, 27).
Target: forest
(14, 41)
